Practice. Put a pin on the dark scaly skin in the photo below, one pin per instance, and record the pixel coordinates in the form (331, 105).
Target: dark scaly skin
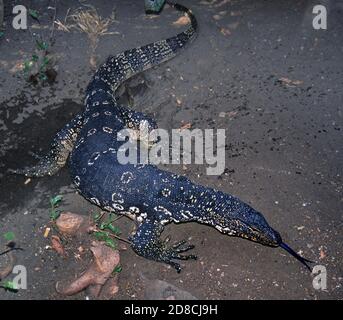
(153, 196)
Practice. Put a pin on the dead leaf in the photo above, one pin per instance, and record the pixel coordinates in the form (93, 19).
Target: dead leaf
(19, 66)
(61, 26)
(77, 256)
(289, 82)
(56, 244)
(225, 32)
(322, 254)
(186, 126)
(182, 21)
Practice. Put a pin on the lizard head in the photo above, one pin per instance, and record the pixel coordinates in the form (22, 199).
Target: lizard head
(251, 225)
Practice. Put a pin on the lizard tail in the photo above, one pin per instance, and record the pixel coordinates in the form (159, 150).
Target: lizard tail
(123, 66)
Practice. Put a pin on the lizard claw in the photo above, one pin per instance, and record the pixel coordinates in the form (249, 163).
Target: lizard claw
(174, 253)
(155, 248)
(176, 266)
(179, 246)
(178, 256)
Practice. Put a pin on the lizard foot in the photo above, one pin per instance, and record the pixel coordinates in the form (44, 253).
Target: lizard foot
(173, 252)
(147, 243)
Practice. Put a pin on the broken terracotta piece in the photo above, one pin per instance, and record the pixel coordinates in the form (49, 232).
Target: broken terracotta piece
(69, 223)
(57, 245)
(98, 276)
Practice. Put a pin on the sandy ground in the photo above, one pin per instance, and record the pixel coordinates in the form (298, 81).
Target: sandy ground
(283, 151)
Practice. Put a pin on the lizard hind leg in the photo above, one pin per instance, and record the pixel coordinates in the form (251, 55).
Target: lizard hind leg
(147, 243)
(57, 156)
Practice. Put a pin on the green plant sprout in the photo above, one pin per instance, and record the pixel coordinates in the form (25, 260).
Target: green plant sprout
(106, 232)
(39, 61)
(54, 212)
(9, 286)
(33, 13)
(9, 236)
(117, 269)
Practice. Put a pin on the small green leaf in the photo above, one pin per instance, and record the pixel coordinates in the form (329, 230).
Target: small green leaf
(118, 268)
(33, 13)
(10, 286)
(111, 243)
(42, 45)
(54, 214)
(113, 229)
(46, 60)
(55, 200)
(43, 76)
(27, 66)
(96, 217)
(112, 216)
(101, 235)
(9, 236)
(103, 226)
(34, 58)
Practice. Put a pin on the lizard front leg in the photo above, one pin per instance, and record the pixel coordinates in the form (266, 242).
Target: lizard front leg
(141, 126)
(147, 243)
(57, 156)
